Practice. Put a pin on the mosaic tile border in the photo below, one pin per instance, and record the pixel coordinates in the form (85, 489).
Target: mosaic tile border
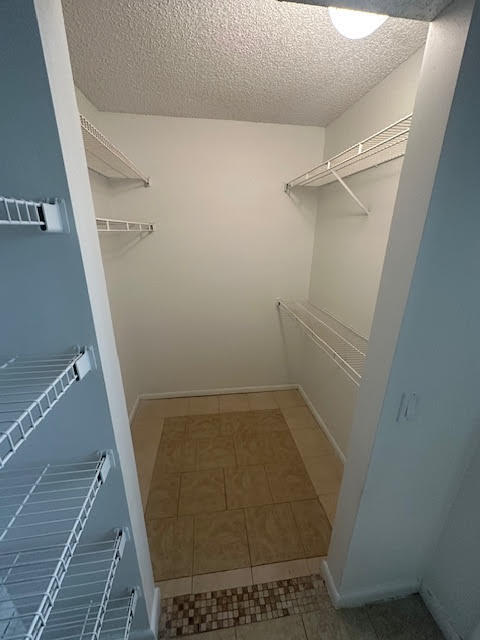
(196, 613)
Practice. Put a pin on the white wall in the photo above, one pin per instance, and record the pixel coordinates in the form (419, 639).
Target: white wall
(349, 247)
(452, 574)
(193, 304)
(402, 476)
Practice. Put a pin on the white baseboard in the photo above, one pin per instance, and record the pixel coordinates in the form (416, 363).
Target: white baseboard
(439, 614)
(216, 392)
(322, 423)
(330, 584)
(366, 596)
(207, 392)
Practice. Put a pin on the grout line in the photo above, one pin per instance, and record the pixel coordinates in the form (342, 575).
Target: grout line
(304, 627)
(248, 540)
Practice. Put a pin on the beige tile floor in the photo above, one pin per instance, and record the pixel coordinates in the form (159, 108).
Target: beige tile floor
(236, 488)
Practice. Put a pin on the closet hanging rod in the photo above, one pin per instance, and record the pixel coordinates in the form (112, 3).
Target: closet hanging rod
(105, 158)
(110, 224)
(385, 145)
(346, 348)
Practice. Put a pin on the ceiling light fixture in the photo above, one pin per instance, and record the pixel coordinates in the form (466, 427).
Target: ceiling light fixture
(355, 24)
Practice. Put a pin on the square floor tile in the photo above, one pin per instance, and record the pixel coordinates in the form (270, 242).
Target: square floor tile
(262, 400)
(272, 534)
(329, 504)
(299, 418)
(325, 473)
(203, 426)
(235, 422)
(404, 619)
(247, 487)
(149, 410)
(203, 404)
(215, 452)
(234, 402)
(220, 542)
(284, 448)
(289, 482)
(314, 527)
(288, 398)
(175, 587)
(253, 449)
(219, 580)
(171, 547)
(175, 455)
(174, 406)
(287, 628)
(202, 492)
(174, 428)
(268, 420)
(312, 442)
(338, 624)
(254, 422)
(163, 496)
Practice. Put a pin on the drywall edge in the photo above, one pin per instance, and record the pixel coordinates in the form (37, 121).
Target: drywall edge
(54, 42)
(438, 78)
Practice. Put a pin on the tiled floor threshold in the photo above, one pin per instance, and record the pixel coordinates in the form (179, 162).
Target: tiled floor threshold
(200, 612)
(293, 609)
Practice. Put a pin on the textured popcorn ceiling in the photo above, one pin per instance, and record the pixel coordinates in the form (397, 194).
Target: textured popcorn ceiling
(413, 9)
(257, 60)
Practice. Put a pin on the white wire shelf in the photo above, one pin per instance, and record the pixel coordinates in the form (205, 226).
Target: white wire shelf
(46, 216)
(43, 512)
(383, 146)
(346, 347)
(82, 606)
(109, 224)
(119, 617)
(29, 389)
(105, 158)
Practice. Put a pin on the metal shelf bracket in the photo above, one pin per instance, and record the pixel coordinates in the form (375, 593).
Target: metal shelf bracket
(349, 191)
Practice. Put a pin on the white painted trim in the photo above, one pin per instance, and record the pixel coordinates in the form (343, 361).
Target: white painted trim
(367, 596)
(322, 423)
(155, 612)
(439, 614)
(216, 392)
(329, 583)
(131, 415)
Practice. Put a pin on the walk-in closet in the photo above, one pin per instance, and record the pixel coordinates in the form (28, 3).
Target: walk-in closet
(238, 246)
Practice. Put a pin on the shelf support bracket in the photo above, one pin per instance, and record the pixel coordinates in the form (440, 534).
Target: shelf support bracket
(349, 191)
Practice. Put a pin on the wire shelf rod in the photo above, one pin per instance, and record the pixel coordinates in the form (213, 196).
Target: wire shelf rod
(37, 553)
(342, 351)
(79, 594)
(105, 158)
(111, 224)
(27, 396)
(82, 616)
(370, 147)
(43, 215)
(317, 319)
